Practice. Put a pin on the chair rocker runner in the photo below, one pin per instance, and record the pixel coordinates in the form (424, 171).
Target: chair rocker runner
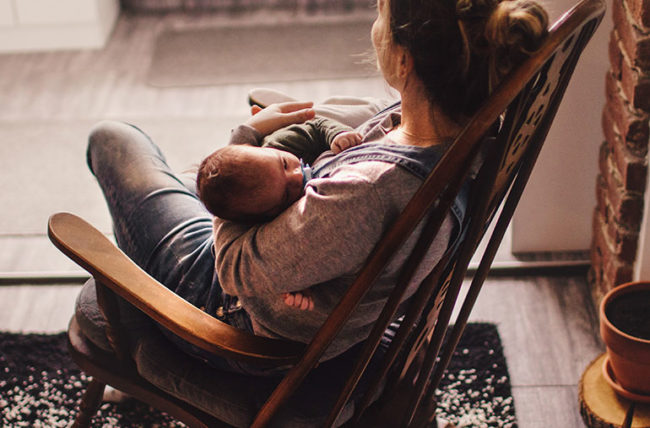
(362, 386)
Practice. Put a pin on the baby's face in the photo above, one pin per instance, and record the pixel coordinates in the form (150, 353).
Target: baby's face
(281, 181)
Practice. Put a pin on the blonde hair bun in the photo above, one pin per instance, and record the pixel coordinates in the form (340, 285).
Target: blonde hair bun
(514, 30)
(461, 49)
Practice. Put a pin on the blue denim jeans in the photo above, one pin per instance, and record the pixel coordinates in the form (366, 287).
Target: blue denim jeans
(160, 223)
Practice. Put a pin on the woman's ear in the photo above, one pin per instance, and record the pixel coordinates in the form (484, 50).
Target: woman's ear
(397, 66)
(405, 63)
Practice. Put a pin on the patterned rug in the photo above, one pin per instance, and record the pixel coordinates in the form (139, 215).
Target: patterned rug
(40, 386)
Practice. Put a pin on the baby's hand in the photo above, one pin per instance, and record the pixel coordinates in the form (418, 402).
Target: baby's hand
(345, 140)
(299, 299)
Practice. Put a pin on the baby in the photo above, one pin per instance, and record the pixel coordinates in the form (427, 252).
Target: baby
(253, 184)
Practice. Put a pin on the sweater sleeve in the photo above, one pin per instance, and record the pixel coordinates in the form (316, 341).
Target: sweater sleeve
(326, 234)
(245, 134)
(306, 140)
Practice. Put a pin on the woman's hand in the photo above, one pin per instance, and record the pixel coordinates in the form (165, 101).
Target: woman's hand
(276, 116)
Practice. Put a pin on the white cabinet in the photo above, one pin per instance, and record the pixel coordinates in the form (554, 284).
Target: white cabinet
(36, 25)
(6, 14)
(36, 12)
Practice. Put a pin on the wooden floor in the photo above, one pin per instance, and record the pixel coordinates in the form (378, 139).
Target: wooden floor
(548, 324)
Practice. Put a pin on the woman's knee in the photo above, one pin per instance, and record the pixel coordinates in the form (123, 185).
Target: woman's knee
(102, 136)
(109, 139)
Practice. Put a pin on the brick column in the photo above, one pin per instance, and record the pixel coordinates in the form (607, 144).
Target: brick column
(623, 163)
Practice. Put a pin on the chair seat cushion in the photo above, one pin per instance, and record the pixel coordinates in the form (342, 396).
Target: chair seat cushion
(231, 397)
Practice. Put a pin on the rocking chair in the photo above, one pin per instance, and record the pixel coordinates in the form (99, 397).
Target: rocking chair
(369, 385)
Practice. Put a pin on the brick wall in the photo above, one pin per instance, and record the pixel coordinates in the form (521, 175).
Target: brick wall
(623, 165)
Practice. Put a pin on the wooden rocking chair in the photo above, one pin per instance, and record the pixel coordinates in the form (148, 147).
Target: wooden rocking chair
(360, 388)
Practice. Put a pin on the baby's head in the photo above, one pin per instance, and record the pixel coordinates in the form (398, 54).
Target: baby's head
(251, 184)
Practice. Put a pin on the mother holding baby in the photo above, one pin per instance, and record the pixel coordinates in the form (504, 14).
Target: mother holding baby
(443, 57)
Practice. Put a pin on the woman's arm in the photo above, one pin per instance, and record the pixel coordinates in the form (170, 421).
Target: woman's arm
(327, 234)
(265, 121)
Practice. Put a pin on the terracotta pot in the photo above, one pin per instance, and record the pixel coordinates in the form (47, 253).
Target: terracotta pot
(629, 355)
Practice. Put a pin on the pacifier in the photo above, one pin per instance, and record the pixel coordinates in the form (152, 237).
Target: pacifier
(306, 172)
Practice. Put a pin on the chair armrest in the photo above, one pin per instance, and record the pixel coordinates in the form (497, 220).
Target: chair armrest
(93, 251)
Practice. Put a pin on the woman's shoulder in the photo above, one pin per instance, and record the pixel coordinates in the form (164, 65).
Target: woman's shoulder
(378, 126)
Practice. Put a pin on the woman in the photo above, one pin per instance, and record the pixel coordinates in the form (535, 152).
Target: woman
(443, 58)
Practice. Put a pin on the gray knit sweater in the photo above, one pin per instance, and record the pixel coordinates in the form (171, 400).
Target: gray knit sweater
(321, 242)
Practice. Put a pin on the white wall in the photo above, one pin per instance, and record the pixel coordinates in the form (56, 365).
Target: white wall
(32, 25)
(555, 212)
(642, 264)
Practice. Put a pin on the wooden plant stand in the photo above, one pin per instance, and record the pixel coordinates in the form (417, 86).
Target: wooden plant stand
(600, 407)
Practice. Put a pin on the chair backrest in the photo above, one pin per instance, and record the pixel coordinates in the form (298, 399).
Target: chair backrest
(523, 106)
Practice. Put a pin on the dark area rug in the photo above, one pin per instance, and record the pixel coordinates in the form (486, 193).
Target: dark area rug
(262, 53)
(40, 386)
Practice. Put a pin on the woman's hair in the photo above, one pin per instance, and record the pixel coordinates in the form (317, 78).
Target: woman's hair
(221, 180)
(462, 48)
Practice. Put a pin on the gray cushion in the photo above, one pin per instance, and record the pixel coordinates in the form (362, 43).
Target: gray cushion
(231, 397)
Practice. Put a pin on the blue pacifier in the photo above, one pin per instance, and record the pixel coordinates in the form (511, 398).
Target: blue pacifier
(306, 172)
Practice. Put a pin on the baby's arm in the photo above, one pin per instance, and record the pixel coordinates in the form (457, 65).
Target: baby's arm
(266, 121)
(338, 136)
(308, 140)
(299, 299)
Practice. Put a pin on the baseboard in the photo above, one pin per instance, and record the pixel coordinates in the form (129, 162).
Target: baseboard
(509, 268)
